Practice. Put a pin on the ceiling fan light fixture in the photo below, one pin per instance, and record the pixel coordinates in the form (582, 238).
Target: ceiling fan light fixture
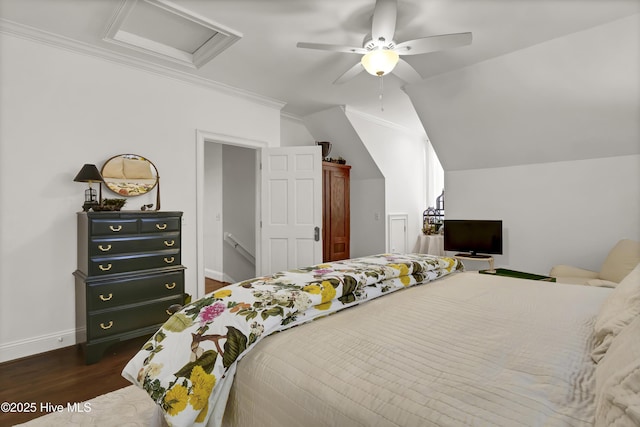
(380, 61)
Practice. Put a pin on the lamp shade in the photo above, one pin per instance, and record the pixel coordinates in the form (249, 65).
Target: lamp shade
(380, 61)
(88, 173)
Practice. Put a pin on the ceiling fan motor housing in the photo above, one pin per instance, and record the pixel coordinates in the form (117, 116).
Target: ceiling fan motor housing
(371, 44)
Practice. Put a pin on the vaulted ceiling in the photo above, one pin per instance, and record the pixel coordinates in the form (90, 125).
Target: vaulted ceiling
(251, 45)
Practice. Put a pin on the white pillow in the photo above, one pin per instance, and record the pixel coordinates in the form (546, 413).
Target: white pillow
(618, 310)
(137, 169)
(113, 168)
(618, 380)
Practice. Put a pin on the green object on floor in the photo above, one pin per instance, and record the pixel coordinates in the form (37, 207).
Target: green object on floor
(518, 274)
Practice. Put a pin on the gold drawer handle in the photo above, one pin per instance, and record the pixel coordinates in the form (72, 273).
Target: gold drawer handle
(107, 268)
(103, 298)
(115, 229)
(169, 260)
(170, 285)
(169, 243)
(161, 227)
(104, 248)
(107, 326)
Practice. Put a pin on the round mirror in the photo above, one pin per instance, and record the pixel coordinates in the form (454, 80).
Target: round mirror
(129, 175)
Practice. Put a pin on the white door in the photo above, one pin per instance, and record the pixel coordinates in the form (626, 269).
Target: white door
(291, 208)
(398, 233)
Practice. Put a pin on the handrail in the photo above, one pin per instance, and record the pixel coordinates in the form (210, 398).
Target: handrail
(230, 239)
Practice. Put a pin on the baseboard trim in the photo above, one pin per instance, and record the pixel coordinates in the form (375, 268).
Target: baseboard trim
(217, 275)
(35, 345)
(213, 274)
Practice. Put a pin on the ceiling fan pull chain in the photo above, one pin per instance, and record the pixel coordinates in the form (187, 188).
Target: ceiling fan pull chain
(381, 92)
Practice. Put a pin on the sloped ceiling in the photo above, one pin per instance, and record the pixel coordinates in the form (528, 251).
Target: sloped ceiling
(266, 62)
(333, 125)
(576, 97)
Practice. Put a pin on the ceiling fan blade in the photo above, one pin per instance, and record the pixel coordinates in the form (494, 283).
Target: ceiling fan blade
(331, 47)
(433, 43)
(383, 26)
(349, 74)
(406, 72)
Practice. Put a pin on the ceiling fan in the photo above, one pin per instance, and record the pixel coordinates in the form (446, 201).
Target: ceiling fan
(381, 54)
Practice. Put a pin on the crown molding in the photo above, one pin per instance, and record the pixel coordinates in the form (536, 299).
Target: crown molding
(290, 116)
(44, 37)
(385, 123)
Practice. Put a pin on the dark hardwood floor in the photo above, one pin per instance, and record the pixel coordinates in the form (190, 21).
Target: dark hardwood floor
(61, 376)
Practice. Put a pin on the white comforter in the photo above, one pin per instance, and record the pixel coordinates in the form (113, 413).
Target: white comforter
(467, 349)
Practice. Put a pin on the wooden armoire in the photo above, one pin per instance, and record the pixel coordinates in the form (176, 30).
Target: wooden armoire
(335, 211)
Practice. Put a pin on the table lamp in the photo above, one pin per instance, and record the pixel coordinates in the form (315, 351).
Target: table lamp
(89, 173)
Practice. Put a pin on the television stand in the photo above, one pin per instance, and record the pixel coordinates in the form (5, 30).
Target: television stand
(476, 257)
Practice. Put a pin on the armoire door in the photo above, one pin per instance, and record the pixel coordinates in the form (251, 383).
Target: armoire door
(336, 211)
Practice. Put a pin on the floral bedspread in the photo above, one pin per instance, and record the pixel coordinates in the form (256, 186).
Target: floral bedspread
(188, 365)
(127, 188)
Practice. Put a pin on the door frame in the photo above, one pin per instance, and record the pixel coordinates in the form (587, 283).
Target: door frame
(202, 137)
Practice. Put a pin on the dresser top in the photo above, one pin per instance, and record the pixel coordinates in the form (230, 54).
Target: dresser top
(129, 214)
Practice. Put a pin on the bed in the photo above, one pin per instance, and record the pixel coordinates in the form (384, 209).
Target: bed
(130, 187)
(412, 341)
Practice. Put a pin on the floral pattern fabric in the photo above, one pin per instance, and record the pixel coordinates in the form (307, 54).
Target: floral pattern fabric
(187, 366)
(126, 188)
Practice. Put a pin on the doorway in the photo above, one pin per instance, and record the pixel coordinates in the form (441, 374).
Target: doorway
(288, 204)
(229, 212)
(211, 221)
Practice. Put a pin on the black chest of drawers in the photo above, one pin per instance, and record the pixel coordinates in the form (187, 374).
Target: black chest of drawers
(128, 278)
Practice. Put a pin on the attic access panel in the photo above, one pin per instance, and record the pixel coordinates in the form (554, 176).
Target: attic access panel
(168, 31)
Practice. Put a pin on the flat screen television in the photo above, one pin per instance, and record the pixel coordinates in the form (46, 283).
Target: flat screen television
(473, 237)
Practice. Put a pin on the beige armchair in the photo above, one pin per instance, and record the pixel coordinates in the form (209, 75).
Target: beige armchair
(623, 258)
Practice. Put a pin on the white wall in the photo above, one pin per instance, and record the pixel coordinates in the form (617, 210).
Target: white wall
(435, 175)
(400, 155)
(573, 100)
(367, 206)
(553, 213)
(366, 181)
(334, 126)
(60, 109)
(388, 174)
(294, 133)
(239, 210)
